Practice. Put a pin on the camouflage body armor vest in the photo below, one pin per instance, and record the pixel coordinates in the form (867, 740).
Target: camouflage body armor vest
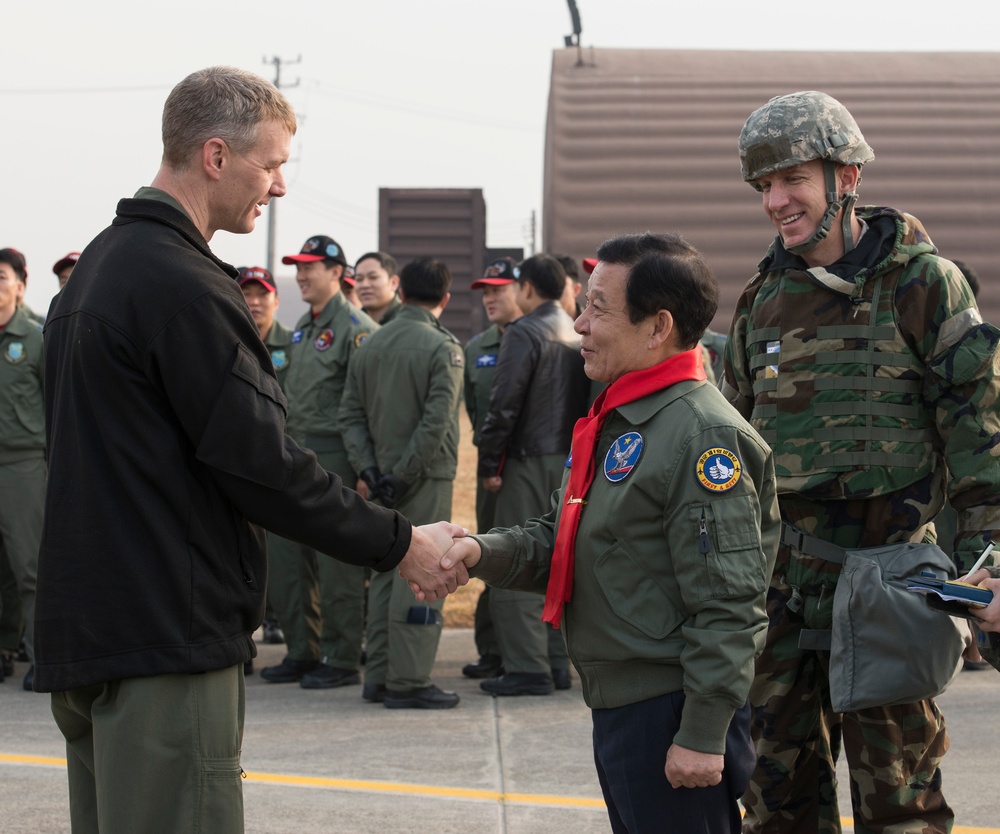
(837, 390)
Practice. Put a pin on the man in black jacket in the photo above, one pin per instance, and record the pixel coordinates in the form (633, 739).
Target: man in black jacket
(167, 447)
(539, 392)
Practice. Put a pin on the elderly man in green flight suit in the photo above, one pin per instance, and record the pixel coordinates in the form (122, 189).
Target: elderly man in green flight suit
(655, 556)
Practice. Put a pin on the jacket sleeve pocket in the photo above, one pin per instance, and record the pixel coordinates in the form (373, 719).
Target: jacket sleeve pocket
(729, 557)
(245, 432)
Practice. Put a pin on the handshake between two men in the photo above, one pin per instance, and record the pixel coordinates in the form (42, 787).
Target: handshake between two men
(438, 560)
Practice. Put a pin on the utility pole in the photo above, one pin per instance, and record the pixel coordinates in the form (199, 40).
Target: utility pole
(272, 206)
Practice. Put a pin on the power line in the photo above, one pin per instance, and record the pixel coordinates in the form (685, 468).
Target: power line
(407, 106)
(52, 91)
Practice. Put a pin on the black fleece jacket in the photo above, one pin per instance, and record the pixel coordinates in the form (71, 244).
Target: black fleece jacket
(167, 447)
(539, 390)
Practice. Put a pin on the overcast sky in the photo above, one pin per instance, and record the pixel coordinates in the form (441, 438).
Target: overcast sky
(389, 93)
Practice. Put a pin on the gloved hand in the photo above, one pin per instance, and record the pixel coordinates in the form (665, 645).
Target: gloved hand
(371, 477)
(391, 489)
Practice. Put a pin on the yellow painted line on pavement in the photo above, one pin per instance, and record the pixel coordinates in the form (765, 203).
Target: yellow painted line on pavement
(50, 761)
(426, 790)
(372, 786)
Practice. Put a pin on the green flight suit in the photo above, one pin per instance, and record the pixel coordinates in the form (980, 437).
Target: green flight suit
(400, 413)
(481, 354)
(390, 311)
(278, 341)
(22, 458)
(526, 644)
(278, 344)
(319, 601)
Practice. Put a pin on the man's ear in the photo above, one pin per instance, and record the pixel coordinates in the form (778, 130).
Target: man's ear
(848, 178)
(214, 157)
(663, 330)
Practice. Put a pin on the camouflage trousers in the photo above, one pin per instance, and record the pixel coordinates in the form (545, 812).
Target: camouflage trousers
(893, 753)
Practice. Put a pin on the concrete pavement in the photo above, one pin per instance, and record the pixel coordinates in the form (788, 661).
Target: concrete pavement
(326, 761)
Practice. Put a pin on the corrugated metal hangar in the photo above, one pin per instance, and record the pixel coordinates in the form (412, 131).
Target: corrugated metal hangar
(647, 140)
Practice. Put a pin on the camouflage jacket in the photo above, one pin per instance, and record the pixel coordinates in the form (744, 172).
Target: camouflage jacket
(872, 378)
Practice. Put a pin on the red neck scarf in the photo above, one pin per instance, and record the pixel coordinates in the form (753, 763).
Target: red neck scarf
(627, 388)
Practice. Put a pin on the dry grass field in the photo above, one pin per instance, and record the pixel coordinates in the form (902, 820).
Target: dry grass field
(460, 606)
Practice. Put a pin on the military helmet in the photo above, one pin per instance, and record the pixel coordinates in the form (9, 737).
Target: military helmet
(797, 128)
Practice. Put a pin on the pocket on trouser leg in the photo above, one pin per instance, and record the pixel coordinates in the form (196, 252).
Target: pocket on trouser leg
(221, 800)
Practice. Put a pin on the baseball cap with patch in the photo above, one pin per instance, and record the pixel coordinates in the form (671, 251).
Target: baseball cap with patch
(68, 260)
(499, 272)
(317, 248)
(348, 276)
(258, 274)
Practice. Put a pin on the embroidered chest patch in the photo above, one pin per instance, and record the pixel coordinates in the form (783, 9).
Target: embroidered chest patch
(15, 353)
(487, 360)
(279, 358)
(623, 456)
(718, 470)
(324, 340)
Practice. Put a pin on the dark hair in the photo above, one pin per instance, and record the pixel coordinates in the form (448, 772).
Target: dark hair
(666, 273)
(971, 276)
(545, 274)
(570, 266)
(386, 261)
(15, 260)
(425, 280)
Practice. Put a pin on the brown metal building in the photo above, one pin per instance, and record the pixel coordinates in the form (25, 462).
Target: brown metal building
(647, 139)
(445, 223)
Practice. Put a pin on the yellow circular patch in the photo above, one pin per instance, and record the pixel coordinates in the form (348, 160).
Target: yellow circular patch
(718, 469)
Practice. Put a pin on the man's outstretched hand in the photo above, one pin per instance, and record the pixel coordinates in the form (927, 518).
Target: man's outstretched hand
(422, 564)
(463, 553)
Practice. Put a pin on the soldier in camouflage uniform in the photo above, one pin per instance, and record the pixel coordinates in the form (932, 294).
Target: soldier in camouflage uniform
(861, 357)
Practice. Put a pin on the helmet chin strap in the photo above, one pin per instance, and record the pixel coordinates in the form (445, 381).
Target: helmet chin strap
(833, 205)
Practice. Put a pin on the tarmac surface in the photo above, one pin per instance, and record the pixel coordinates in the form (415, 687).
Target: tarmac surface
(326, 762)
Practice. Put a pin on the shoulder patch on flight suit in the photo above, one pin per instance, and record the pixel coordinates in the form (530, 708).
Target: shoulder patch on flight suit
(718, 469)
(279, 358)
(296, 337)
(623, 456)
(359, 340)
(15, 353)
(324, 340)
(457, 360)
